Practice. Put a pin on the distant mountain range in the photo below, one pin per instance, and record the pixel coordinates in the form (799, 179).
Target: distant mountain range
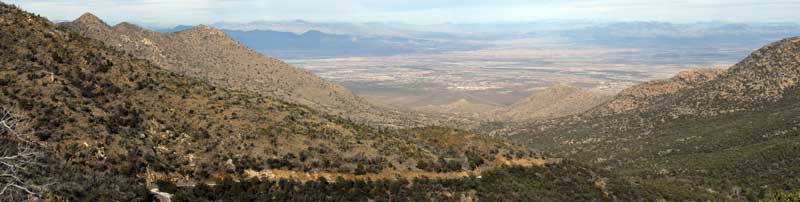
(313, 43)
(303, 39)
(441, 31)
(318, 44)
(660, 34)
(642, 29)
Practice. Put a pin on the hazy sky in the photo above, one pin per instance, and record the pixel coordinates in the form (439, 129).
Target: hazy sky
(171, 12)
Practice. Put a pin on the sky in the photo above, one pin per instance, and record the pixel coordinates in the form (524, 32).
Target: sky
(175, 12)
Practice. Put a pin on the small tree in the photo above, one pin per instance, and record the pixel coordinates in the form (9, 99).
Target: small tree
(167, 186)
(17, 155)
(360, 170)
(422, 165)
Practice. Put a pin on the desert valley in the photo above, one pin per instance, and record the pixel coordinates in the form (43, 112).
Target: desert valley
(97, 108)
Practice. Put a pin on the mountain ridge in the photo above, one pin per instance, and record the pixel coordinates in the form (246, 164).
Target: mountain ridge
(644, 94)
(208, 53)
(558, 100)
(711, 129)
(132, 122)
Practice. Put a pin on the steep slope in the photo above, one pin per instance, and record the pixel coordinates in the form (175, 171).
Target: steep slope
(649, 93)
(553, 102)
(98, 108)
(208, 53)
(732, 134)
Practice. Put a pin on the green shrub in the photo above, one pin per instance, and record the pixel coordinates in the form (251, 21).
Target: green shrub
(782, 196)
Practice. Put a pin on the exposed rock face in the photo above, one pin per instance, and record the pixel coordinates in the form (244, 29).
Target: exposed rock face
(556, 101)
(208, 53)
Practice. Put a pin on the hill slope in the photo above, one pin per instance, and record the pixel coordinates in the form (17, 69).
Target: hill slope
(209, 54)
(553, 102)
(647, 94)
(95, 107)
(732, 134)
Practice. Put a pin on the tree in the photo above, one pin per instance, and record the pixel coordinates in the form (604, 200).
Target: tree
(167, 186)
(360, 170)
(422, 165)
(17, 155)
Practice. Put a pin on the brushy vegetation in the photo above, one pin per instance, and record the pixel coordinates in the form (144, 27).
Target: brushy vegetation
(120, 122)
(100, 107)
(208, 53)
(781, 196)
(109, 123)
(568, 181)
(732, 138)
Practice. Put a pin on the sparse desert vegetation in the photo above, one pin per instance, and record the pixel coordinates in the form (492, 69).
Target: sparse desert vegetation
(603, 112)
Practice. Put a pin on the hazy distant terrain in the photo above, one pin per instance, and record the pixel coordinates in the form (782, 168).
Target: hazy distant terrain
(300, 39)
(513, 69)
(316, 44)
(497, 64)
(550, 110)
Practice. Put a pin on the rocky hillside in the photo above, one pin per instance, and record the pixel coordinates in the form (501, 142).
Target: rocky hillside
(208, 53)
(712, 134)
(91, 106)
(553, 102)
(649, 93)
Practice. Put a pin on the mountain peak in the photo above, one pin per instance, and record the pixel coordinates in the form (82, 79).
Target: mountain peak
(648, 93)
(126, 26)
(698, 74)
(765, 74)
(203, 29)
(90, 19)
(786, 50)
(312, 33)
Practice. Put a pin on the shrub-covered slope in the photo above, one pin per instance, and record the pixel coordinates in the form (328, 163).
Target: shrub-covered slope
(210, 54)
(100, 108)
(731, 134)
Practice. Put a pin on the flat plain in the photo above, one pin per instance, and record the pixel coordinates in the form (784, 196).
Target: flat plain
(512, 69)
